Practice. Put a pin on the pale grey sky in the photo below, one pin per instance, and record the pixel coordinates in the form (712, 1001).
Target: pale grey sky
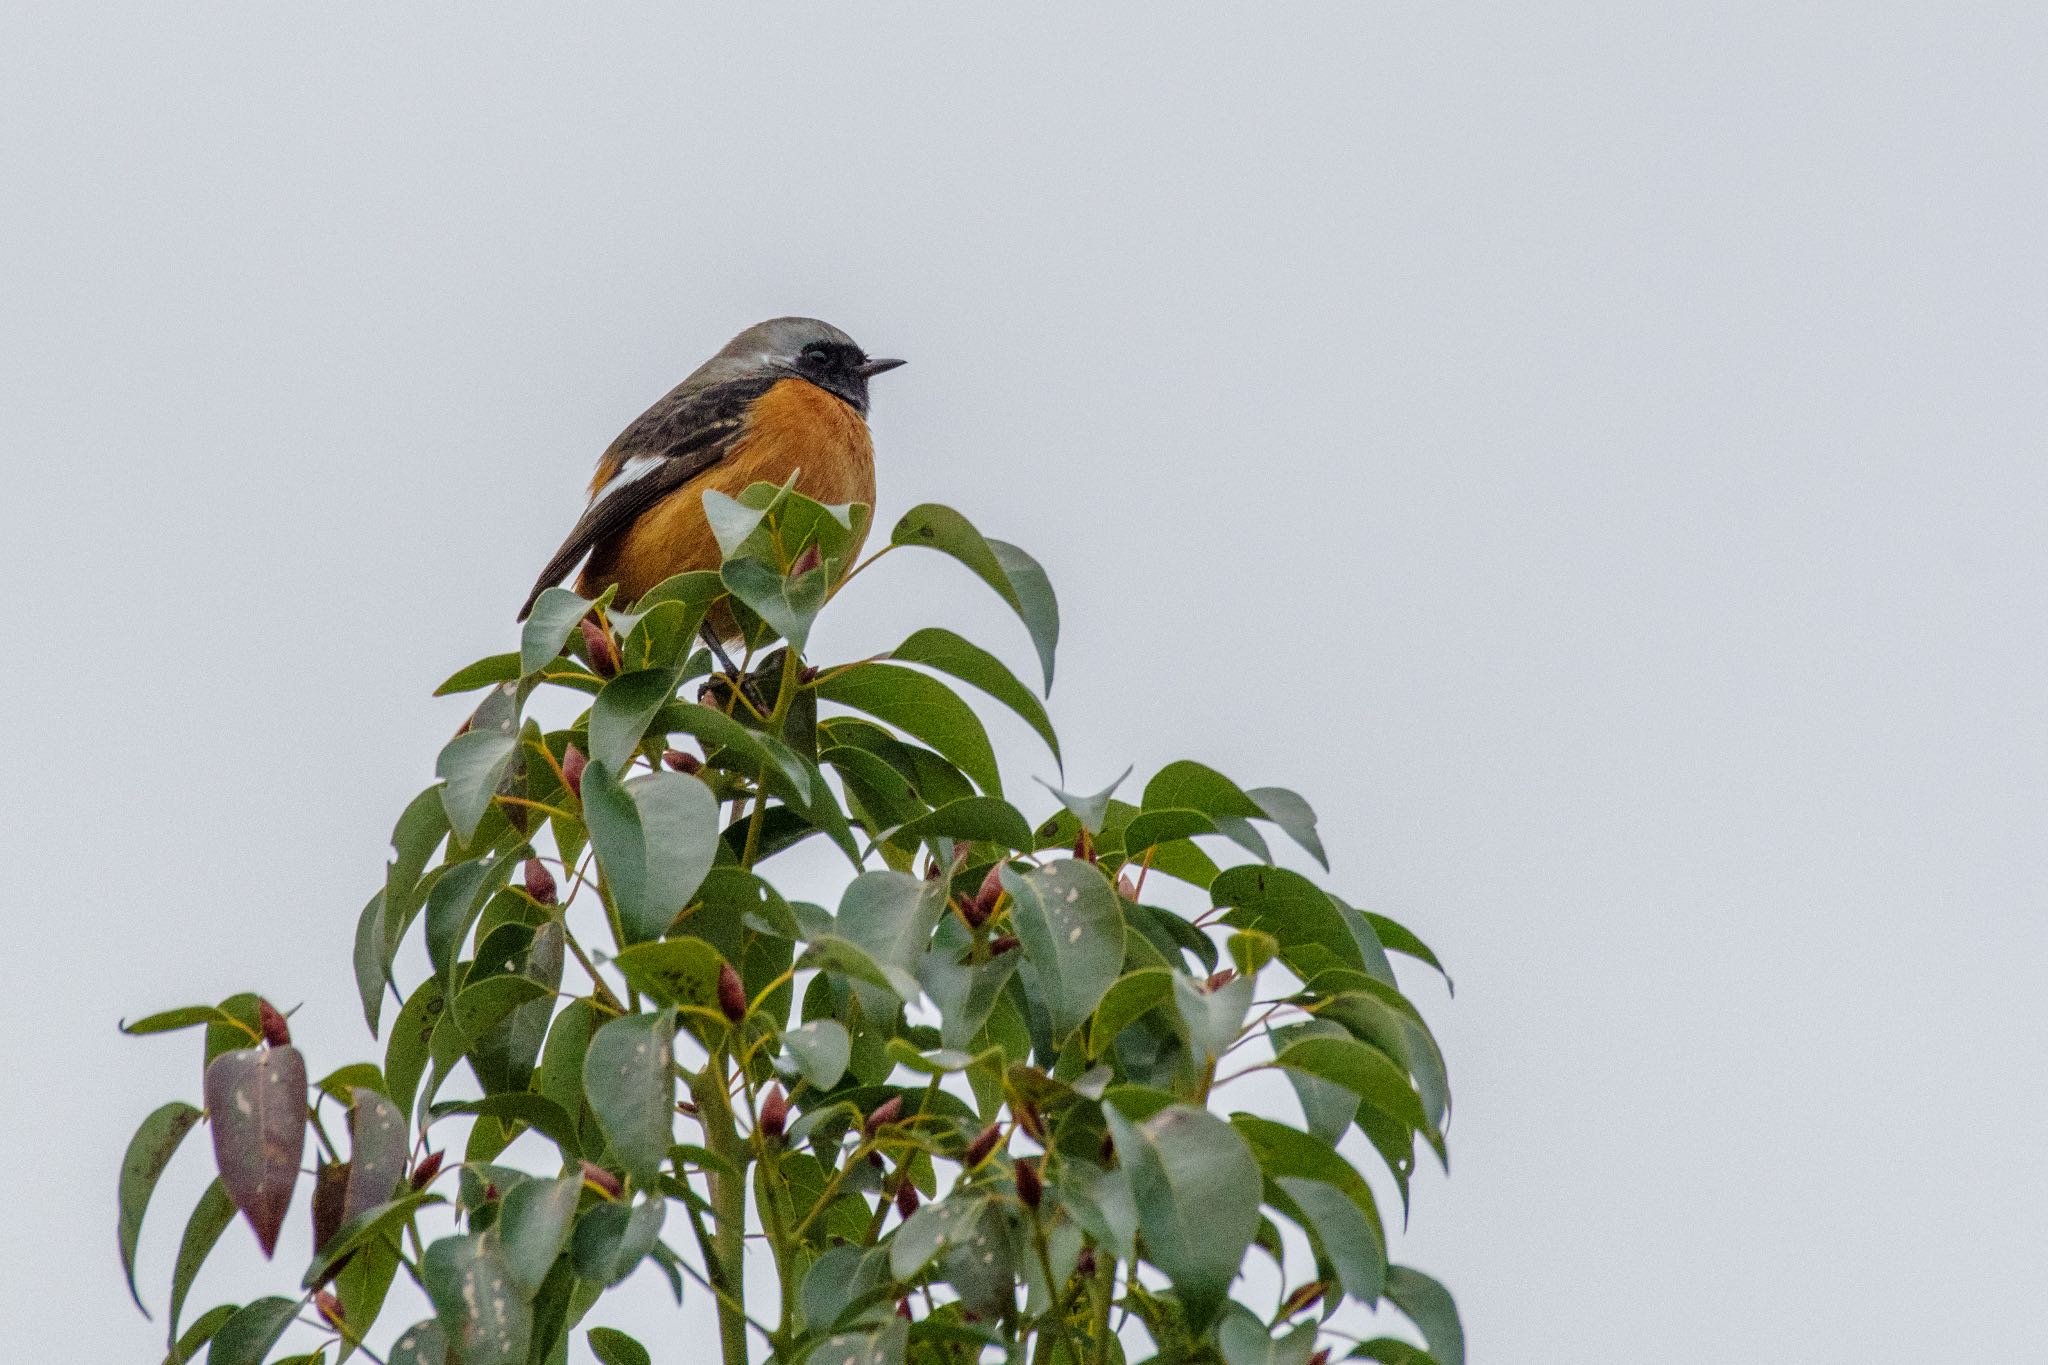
(1592, 451)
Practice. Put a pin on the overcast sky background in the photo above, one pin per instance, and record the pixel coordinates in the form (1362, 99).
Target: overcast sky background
(1592, 451)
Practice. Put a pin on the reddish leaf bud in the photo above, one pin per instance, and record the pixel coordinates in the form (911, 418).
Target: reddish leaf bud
(572, 769)
(330, 1192)
(807, 675)
(1084, 848)
(732, 993)
(1220, 980)
(1030, 1188)
(906, 1199)
(810, 559)
(1106, 1149)
(490, 1193)
(602, 1180)
(774, 1113)
(276, 1031)
(424, 1173)
(1084, 1264)
(1003, 943)
(931, 869)
(1029, 1119)
(984, 903)
(1301, 1298)
(681, 762)
(984, 1142)
(597, 642)
(540, 883)
(903, 1309)
(1126, 888)
(1321, 1357)
(887, 1112)
(329, 1308)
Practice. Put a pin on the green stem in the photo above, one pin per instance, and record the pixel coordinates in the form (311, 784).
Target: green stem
(728, 1205)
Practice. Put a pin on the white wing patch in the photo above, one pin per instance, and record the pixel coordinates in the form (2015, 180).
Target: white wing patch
(632, 471)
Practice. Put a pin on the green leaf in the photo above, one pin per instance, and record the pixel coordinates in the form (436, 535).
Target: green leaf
(412, 1038)
(487, 1320)
(891, 916)
(498, 668)
(199, 1333)
(1193, 786)
(1345, 1238)
(246, 1338)
(629, 1079)
(149, 1152)
(369, 960)
(613, 1347)
(538, 1112)
(453, 905)
(1196, 1187)
(1429, 1306)
(1212, 1017)
(820, 1051)
(969, 662)
(533, 1227)
(256, 1099)
(788, 604)
(1285, 1151)
(1015, 575)
(1397, 937)
(1391, 1351)
(554, 616)
(168, 1021)
(656, 837)
(934, 1228)
(878, 1346)
(624, 709)
(561, 1065)
(1296, 818)
(1035, 603)
(1133, 995)
(471, 768)
(976, 818)
(1365, 1071)
(1072, 929)
(922, 707)
(210, 1217)
(679, 971)
(424, 1343)
(964, 992)
(377, 1221)
(1251, 949)
(1091, 811)
(1290, 907)
(612, 1239)
(1244, 1340)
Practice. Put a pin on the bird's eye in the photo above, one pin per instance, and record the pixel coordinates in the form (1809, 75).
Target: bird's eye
(816, 354)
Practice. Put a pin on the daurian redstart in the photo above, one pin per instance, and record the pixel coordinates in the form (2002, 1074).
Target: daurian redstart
(786, 396)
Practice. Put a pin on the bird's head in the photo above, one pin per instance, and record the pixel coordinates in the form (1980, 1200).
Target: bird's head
(800, 348)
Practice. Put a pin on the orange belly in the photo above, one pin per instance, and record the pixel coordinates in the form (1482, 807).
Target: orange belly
(794, 428)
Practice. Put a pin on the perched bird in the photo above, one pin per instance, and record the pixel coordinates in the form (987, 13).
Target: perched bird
(789, 395)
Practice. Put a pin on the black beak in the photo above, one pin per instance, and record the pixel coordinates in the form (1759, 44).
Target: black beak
(869, 369)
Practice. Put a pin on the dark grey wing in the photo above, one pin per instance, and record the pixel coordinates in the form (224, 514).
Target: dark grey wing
(668, 445)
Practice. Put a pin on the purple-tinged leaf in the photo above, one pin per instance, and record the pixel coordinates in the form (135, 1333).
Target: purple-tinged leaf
(256, 1098)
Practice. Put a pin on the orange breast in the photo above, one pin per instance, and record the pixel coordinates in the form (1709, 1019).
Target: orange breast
(794, 428)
